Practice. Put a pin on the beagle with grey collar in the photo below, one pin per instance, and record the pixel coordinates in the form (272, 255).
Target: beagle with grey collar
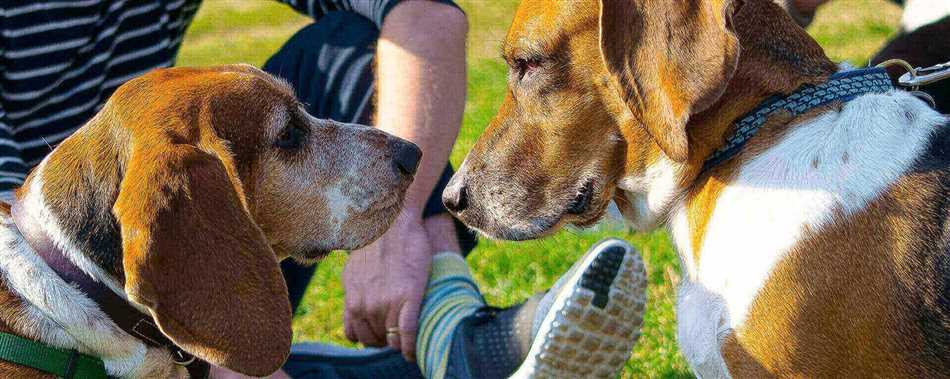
(180, 197)
(814, 239)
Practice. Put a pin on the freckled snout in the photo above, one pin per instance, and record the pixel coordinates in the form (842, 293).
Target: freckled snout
(406, 156)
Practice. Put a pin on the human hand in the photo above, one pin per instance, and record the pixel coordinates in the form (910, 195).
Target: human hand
(384, 284)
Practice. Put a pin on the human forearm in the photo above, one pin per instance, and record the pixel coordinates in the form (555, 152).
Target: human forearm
(421, 85)
(420, 60)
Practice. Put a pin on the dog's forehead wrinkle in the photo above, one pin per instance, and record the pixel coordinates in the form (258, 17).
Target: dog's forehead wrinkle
(531, 42)
(536, 48)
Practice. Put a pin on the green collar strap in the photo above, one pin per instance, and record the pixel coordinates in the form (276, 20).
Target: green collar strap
(63, 363)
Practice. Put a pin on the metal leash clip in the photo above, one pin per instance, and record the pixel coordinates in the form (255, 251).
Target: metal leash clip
(916, 77)
(924, 76)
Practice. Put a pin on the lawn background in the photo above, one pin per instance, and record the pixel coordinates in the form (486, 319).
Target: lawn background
(231, 31)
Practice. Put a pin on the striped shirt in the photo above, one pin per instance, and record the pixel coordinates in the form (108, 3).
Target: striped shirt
(62, 59)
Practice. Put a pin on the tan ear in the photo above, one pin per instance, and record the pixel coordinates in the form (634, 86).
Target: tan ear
(193, 256)
(671, 59)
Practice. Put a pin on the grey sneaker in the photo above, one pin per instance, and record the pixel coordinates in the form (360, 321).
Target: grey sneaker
(584, 326)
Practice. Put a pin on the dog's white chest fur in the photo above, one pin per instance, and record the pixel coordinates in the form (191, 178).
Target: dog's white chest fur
(838, 161)
(61, 315)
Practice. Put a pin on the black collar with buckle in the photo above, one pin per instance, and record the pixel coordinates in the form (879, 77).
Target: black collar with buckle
(123, 314)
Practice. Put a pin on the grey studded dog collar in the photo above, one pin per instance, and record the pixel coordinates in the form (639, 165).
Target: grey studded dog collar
(842, 86)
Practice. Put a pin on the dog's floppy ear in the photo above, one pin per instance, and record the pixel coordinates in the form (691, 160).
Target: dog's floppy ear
(671, 59)
(196, 260)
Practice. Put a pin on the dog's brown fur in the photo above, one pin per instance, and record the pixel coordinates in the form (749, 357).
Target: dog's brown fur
(576, 84)
(875, 292)
(180, 192)
(612, 87)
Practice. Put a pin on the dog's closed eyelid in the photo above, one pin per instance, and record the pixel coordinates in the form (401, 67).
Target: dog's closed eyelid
(525, 67)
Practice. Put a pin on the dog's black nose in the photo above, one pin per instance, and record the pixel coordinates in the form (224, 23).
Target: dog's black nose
(455, 197)
(406, 156)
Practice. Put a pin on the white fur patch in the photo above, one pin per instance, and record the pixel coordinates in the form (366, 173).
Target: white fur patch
(35, 205)
(694, 305)
(918, 13)
(761, 215)
(339, 205)
(62, 316)
(651, 194)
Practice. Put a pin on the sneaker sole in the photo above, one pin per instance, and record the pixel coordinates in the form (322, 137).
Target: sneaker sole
(595, 320)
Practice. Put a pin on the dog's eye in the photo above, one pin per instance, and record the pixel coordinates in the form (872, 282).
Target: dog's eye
(525, 67)
(292, 138)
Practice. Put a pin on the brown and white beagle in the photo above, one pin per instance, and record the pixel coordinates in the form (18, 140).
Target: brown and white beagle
(181, 195)
(822, 249)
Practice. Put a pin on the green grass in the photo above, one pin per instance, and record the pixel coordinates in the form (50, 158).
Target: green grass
(250, 31)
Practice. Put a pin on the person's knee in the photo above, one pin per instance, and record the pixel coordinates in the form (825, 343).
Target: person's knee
(329, 65)
(336, 35)
(336, 29)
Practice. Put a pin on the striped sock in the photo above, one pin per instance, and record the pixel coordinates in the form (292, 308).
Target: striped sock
(450, 296)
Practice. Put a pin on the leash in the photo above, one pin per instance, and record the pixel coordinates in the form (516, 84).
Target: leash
(916, 77)
(66, 364)
(123, 314)
(842, 86)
